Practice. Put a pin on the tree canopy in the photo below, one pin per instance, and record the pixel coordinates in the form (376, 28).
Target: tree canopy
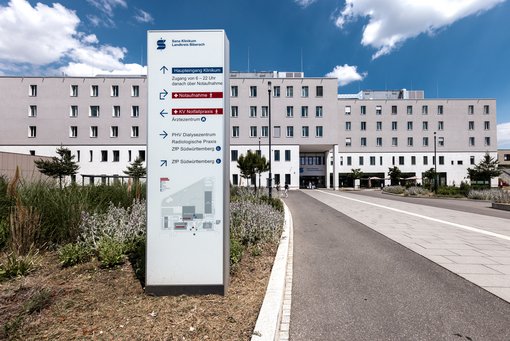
(395, 174)
(485, 170)
(136, 170)
(58, 167)
(252, 164)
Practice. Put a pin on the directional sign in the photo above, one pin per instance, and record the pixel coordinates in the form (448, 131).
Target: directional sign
(187, 168)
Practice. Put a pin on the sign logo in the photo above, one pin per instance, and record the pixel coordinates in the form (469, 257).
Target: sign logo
(161, 44)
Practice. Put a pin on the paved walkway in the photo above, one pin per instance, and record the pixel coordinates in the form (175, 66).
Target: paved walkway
(476, 247)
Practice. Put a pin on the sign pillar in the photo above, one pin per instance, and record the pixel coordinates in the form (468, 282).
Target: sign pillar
(187, 163)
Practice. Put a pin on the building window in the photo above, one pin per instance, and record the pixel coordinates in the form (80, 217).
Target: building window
(413, 160)
(409, 141)
(32, 111)
(264, 131)
(401, 160)
(363, 142)
(348, 125)
(318, 111)
(471, 141)
(114, 131)
(363, 110)
(234, 111)
(135, 132)
(104, 156)
(460, 162)
(253, 131)
(234, 91)
(319, 91)
(73, 131)
(441, 160)
(349, 160)
(361, 161)
(235, 131)
(425, 142)
(277, 131)
(471, 109)
(440, 141)
(287, 155)
(440, 125)
(141, 155)
(32, 131)
(486, 110)
(409, 109)
(289, 91)
(305, 131)
(393, 109)
(424, 109)
(253, 111)
(234, 155)
(378, 141)
(74, 111)
(264, 112)
(439, 109)
(378, 125)
(394, 125)
(290, 111)
(93, 131)
(372, 161)
(135, 91)
(253, 91)
(363, 125)
(91, 155)
(304, 91)
(135, 111)
(487, 141)
(74, 91)
(348, 142)
(486, 125)
(277, 155)
(94, 90)
(471, 160)
(235, 179)
(425, 125)
(304, 111)
(116, 111)
(116, 156)
(347, 109)
(319, 132)
(425, 160)
(290, 131)
(378, 110)
(33, 91)
(394, 141)
(115, 91)
(94, 111)
(471, 125)
(276, 91)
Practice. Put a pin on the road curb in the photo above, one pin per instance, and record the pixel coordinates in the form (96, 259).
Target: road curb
(267, 327)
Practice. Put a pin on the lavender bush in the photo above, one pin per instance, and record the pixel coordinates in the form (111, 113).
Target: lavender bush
(414, 191)
(394, 189)
(496, 195)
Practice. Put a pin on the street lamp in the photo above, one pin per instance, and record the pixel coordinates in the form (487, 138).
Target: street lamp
(260, 155)
(435, 165)
(269, 182)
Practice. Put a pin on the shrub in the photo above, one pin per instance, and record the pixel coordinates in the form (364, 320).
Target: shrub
(496, 195)
(394, 189)
(413, 191)
(18, 265)
(135, 251)
(236, 251)
(449, 191)
(72, 254)
(464, 188)
(4, 233)
(110, 252)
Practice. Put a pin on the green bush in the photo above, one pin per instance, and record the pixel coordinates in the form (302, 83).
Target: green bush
(135, 251)
(72, 254)
(236, 251)
(465, 187)
(15, 265)
(449, 191)
(110, 252)
(394, 189)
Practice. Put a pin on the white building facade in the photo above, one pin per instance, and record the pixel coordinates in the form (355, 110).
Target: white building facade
(318, 137)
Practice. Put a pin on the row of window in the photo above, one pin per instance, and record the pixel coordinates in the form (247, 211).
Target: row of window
(264, 131)
(94, 111)
(94, 90)
(234, 111)
(409, 110)
(93, 131)
(277, 179)
(289, 91)
(234, 155)
(410, 125)
(410, 141)
(400, 160)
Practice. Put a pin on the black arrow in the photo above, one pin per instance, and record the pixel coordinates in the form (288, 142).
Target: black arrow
(163, 94)
(163, 163)
(164, 134)
(163, 113)
(164, 69)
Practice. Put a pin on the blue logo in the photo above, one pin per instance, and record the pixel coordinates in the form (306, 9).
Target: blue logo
(218, 161)
(161, 44)
(203, 119)
(218, 148)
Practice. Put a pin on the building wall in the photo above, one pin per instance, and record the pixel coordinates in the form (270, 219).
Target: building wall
(28, 171)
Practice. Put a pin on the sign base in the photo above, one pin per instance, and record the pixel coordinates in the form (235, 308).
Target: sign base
(174, 290)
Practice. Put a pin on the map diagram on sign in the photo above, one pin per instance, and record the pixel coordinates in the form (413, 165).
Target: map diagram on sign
(191, 208)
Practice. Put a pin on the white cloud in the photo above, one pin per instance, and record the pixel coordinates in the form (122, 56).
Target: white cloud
(347, 74)
(41, 39)
(305, 3)
(504, 135)
(391, 22)
(107, 6)
(143, 17)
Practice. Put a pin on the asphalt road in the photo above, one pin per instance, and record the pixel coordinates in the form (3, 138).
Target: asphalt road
(352, 283)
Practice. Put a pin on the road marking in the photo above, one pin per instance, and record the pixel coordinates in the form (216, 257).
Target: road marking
(468, 228)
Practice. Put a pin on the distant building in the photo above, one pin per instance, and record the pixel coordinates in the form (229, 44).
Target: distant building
(318, 135)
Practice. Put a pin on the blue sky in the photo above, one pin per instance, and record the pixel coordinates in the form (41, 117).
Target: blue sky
(449, 48)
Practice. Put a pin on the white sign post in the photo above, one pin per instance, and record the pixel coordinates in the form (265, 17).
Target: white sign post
(187, 162)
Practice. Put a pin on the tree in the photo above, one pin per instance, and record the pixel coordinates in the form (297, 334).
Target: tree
(262, 165)
(395, 174)
(356, 173)
(58, 167)
(430, 175)
(485, 170)
(136, 170)
(248, 165)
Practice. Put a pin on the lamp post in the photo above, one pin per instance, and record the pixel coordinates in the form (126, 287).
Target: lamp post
(435, 165)
(269, 182)
(260, 155)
